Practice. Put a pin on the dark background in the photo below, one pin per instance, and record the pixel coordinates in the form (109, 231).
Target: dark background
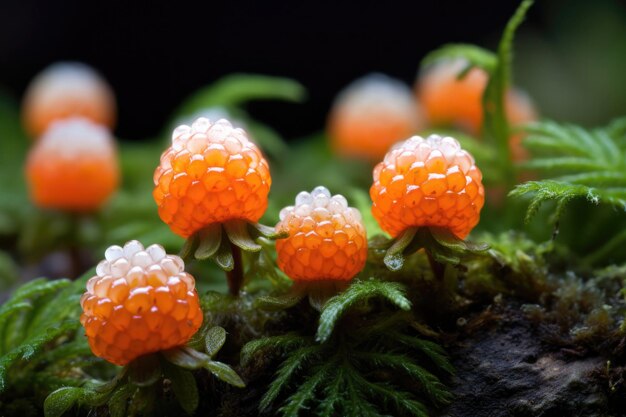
(155, 54)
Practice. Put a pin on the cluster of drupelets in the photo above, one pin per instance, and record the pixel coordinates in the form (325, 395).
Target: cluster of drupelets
(213, 183)
(376, 111)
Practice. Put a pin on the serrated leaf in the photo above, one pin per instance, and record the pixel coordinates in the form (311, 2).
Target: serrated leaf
(225, 373)
(214, 340)
(359, 292)
(61, 401)
(209, 241)
(238, 234)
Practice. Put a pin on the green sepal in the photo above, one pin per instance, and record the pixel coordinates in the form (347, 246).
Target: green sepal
(394, 257)
(144, 371)
(189, 247)
(210, 239)
(62, 400)
(224, 255)
(239, 235)
(260, 230)
(440, 243)
(184, 386)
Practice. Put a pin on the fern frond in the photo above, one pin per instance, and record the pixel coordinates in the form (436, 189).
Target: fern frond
(587, 164)
(360, 292)
(288, 370)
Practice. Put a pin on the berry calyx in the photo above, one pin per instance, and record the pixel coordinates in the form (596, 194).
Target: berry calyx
(427, 182)
(73, 166)
(210, 174)
(370, 115)
(67, 89)
(327, 239)
(141, 301)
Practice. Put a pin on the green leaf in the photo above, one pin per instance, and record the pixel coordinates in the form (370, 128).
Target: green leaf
(236, 89)
(118, 403)
(394, 257)
(184, 387)
(474, 55)
(61, 401)
(209, 241)
(238, 234)
(214, 340)
(359, 292)
(225, 373)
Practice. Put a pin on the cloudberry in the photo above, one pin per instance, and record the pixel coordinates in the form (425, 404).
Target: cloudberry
(141, 301)
(327, 239)
(427, 182)
(448, 100)
(67, 89)
(212, 173)
(370, 115)
(73, 166)
(520, 110)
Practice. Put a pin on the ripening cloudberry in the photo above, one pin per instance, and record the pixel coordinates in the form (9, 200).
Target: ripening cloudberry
(427, 182)
(67, 89)
(520, 110)
(73, 166)
(327, 239)
(370, 115)
(448, 100)
(141, 301)
(212, 173)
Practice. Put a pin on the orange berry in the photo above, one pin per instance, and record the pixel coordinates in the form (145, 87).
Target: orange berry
(427, 182)
(212, 173)
(370, 115)
(327, 239)
(520, 110)
(67, 89)
(141, 301)
(73, 166)
(450, 101)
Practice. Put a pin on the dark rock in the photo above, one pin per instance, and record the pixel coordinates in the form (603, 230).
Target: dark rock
(505, 370)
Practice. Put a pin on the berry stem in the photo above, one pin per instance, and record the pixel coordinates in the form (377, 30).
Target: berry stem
(437, 267)
(235, 277)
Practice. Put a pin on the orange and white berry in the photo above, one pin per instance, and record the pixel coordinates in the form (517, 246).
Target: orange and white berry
(370, 115)
(141, 301)
(327, 239)
(73, 166)
(211, 173)
(427, 182)
(67, 89)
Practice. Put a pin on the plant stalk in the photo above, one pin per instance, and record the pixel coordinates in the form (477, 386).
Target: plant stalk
(235, 277)
(437, 267)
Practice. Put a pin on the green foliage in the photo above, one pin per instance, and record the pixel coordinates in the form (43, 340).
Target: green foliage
(587, 164)
(38, 324)
(496, 128)
(359, 293)
(371, 365)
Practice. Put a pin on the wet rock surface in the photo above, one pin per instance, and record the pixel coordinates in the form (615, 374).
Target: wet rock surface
(505, 370)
